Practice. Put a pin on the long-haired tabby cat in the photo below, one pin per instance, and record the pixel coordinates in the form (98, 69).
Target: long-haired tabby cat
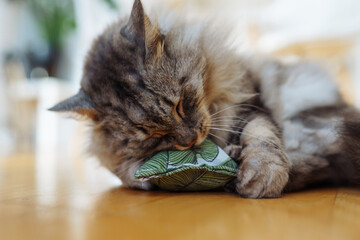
(150, 86)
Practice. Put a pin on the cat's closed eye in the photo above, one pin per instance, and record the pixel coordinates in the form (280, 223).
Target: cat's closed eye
(179, 109)
(158, 134)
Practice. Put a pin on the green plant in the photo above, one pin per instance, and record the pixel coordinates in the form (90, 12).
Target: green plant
(55, 19)
(111, 3)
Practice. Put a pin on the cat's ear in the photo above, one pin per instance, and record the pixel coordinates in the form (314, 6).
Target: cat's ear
(79, 103)
(142, 32)
(134, 30)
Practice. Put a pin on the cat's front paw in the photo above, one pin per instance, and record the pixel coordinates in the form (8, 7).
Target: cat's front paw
(234, 151)
(263, 173)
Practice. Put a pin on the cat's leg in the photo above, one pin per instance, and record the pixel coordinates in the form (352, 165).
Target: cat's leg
(313, 144)
(323, 146)
(123, 168)
(264, 165)
(307, 169)
(126, 172)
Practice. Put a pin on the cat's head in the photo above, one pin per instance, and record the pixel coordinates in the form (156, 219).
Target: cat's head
(143, 88)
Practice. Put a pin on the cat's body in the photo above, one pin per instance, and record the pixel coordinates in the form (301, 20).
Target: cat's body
(149, 87)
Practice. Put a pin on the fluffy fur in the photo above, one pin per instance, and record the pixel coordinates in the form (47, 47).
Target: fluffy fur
(150, 86)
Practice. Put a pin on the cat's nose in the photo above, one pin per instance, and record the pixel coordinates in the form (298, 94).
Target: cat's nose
(187, 142)
(192, 143)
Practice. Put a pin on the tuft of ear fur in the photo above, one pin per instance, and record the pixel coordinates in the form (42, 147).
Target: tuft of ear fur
(79, 103)
(142, 32)
(154, 42)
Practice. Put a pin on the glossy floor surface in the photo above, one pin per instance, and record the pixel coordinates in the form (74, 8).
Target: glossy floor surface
(80, 200)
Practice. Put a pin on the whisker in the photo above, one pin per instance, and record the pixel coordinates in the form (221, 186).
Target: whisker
(222, 125)
(228, 117)
(230, 120)
(247, 134)
(254, 106)
(238, 105)
(226, 130)
(221, 138)
(220, 111)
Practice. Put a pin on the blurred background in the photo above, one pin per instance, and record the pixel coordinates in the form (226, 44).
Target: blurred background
(51, 188)
(43, 44)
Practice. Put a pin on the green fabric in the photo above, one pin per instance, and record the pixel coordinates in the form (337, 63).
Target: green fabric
(203, 167)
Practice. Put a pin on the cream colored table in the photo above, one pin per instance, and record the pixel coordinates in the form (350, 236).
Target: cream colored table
(84, 202)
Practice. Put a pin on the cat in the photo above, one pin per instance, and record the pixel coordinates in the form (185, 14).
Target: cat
(153, 85)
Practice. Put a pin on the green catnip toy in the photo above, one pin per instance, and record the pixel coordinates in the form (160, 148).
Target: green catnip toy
(204, 167)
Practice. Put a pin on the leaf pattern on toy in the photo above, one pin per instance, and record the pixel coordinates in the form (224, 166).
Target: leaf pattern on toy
(207, 151)
(178, 158)
(192, 180)
(201, 168)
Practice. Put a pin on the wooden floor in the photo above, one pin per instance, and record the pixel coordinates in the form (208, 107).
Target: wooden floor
(48, 198)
